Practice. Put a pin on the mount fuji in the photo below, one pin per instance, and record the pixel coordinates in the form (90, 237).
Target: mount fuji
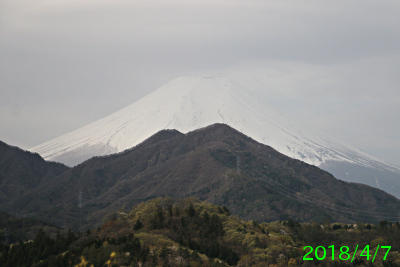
(190, 103)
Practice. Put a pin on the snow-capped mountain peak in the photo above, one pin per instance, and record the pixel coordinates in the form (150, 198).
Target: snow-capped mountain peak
(189, 103)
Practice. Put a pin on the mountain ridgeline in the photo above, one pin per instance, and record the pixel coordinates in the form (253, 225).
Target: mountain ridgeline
(21, 171)
(217, 164)
(190, 103)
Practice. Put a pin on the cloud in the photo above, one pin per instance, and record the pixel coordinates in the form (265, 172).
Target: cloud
(333, 63)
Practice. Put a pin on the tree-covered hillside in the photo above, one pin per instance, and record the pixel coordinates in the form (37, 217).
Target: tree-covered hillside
(188, 232)
(14, 229)
(216, 164)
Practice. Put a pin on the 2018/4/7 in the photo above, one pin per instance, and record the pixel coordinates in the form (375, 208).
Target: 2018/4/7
(344, 253)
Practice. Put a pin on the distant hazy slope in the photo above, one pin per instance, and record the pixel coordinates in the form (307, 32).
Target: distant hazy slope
(190, 103)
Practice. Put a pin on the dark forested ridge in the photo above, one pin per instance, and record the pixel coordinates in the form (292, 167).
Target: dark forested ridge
(21, 171)
(217, 164)
(188, 232)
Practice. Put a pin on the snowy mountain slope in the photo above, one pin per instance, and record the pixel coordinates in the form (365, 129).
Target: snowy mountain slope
(189, 103)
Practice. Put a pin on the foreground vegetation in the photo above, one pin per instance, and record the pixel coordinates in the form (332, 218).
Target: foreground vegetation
(188, 232)
(14, 229)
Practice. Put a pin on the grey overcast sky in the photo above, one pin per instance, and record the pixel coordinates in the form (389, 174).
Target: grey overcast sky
(333, 64)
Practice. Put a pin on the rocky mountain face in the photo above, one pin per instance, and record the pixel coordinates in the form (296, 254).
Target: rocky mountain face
(217, 164)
